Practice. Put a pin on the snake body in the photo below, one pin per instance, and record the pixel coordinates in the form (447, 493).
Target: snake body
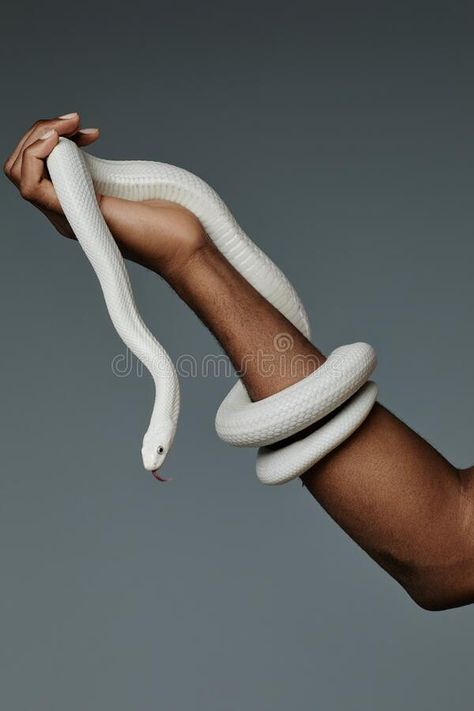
(341, 383)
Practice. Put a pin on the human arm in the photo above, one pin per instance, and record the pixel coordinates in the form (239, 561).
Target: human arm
(392, 492)
(395, 495)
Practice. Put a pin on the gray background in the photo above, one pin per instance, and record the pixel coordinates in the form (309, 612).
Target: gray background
(341, 136)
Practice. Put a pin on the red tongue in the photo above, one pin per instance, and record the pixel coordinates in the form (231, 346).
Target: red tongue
(160, 478)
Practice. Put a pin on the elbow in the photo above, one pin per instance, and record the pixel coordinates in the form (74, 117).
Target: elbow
(445, 580)
(439, 603)
(434, 586)
(442, 599)
(440, 589)
(436, 568)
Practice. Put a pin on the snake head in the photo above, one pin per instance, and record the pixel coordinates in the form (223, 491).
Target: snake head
(156, 446)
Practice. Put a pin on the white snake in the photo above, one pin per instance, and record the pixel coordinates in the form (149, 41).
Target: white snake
(341, 382)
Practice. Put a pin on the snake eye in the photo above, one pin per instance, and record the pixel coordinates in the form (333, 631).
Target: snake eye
(160, 450)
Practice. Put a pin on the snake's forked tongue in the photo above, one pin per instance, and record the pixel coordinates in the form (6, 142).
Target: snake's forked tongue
(158, 477)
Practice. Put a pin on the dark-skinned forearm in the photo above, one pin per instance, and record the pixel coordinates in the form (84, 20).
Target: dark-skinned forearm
(389, 489)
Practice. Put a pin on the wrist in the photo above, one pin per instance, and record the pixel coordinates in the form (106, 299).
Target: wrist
(186, 273)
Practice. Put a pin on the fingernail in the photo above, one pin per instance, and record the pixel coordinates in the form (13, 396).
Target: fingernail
(88, 130)
(47, 134)
(68, 116)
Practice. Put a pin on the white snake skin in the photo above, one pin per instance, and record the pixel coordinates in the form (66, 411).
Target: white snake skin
(341, 382)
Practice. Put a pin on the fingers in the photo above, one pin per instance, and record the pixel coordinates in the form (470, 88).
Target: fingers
(85, 136)
(33, 184)
(26, 165)
(64, 125)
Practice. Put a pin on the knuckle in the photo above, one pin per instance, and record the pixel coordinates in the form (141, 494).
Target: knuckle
(196, 230)
(15, 174)
(7, 167)
(26, 192)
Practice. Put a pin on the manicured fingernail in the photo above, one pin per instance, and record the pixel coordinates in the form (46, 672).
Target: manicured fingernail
(47, 134)
(88, 130)
(68, 116)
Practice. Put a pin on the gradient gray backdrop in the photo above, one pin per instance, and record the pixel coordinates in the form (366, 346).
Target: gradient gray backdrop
(341, 136)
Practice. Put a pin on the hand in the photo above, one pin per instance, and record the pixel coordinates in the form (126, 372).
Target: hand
(158, 234)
